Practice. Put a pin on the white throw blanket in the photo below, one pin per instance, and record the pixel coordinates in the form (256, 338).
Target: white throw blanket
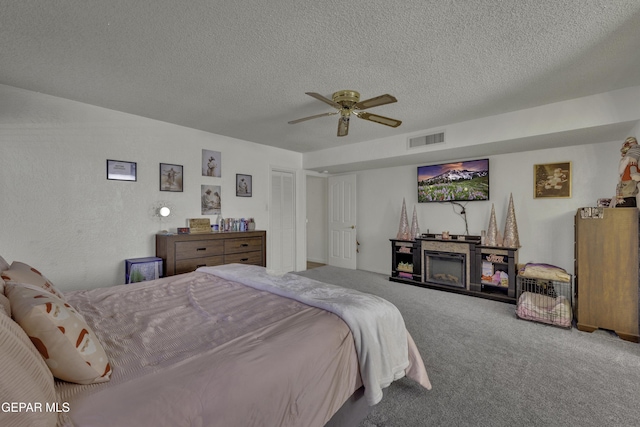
(377, 326)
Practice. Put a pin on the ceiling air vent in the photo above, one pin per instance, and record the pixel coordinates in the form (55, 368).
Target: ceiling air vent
(420, 141)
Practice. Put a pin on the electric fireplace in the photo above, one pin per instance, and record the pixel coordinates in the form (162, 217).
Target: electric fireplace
(445, 268)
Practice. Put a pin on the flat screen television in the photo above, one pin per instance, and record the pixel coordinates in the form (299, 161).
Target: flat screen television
(454, 182)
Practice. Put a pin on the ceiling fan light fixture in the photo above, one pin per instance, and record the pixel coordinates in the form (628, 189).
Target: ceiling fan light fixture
(343, 125)
(346, 98)
(347, 102)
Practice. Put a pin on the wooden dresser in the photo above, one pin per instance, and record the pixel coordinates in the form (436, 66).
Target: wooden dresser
(606, 270)
(182, 253)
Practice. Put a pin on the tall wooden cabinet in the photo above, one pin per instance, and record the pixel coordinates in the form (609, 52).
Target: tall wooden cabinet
(606, 271)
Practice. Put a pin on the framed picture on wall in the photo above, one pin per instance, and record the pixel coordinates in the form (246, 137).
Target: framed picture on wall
(170, 177)
(211, 163)
(210, 199)
(552, 180)
(122, 171)
(243, 185)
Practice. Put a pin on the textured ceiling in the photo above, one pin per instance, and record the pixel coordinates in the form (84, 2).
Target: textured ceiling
(241, 68)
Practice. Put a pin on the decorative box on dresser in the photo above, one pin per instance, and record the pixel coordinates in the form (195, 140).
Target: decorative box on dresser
(606, 270)
(183, 253)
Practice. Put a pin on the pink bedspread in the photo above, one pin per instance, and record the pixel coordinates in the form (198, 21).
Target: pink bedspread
(194, 350)
(197, 350)
(378, 329)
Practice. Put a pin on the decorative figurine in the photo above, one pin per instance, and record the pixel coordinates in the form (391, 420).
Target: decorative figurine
(627, 188)
(492, 231)
(511, 239)
(403, 230)
(415, 229)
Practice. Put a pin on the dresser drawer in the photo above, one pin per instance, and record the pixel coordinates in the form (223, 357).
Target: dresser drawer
(187, 265)
(244, 244)
(244, 258)
(199, 249)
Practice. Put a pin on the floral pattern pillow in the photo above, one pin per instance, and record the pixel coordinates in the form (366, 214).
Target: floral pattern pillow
(68, 345)
(24, 273)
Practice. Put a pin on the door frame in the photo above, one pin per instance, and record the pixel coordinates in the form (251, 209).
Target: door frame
(324, 205)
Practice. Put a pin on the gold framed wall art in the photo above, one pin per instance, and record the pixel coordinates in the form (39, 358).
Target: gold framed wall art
(552, 180)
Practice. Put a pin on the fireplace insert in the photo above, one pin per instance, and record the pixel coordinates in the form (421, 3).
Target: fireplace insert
(445, 268)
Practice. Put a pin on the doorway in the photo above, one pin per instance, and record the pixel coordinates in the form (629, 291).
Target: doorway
(316, 220)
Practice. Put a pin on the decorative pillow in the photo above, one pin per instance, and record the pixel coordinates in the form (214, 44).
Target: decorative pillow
(24, 273)
(545, 271)
(4, 265)
(61, 335)
(5, 307)
(25, 377)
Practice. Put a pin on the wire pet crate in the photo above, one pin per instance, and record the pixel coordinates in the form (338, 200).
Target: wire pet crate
(545, 301)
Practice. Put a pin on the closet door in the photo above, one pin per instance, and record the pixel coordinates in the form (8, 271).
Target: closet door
(282, 219)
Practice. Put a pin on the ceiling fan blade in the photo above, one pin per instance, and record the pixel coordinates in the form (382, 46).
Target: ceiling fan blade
(323, 99)
(343, 126)
(293, 122)
(379, 119)
(374, 102)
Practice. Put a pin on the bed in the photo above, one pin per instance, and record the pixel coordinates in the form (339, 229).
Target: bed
(222, 346)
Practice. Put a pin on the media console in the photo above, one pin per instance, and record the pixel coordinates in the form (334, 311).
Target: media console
(458, 264)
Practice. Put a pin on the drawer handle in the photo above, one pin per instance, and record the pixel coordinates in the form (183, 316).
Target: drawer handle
(201, 265)
(244, 245)
(244, 259)
(201, 249)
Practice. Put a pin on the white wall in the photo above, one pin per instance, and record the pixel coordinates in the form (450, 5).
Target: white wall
(60, 213)
(317, 219)
(545, 226)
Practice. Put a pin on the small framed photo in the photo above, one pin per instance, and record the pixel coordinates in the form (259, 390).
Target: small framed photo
(210, 199)
(211, 163)
(170, 177)
(122, 171)
(552, 180)
(243, 185)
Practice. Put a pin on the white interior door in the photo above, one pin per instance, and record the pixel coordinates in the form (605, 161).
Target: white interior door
(282, 219)
(342, 221)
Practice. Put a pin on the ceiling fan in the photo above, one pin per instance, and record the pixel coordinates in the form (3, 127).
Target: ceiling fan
(348, 102)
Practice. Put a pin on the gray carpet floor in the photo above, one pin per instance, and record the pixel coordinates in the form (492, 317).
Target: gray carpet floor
(489, 368)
